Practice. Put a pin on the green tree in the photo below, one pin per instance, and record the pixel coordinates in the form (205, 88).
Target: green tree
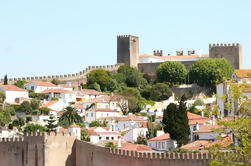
(141, 140)
(160, 91)
(35, 103)
(110, 145)
(94, 124)
(69, 117)
(175, 122)
(55, 81)
(2, 98)
(119, 77)
(150, 128)
(209, 72)
(20, 83)
(5, 81)
(51, 124)
(5, 117)
(25, 107)
(135, 102)
(100, 76)
(84, 135)
(45, 110)
(34, 128)
(171, 72)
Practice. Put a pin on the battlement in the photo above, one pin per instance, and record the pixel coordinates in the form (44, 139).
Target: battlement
(158, 53)
(224, 45)
(3, 140)
(65, 77)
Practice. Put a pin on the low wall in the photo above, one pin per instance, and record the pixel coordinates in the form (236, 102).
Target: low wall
(90, 155)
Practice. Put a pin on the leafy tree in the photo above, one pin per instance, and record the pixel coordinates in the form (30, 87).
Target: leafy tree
(141, 140)
(35, 112)
(55, 81)
(34, 128)
(209, 72)
(5, 81)
(35, 103)
(175, 122)
(160, 91)
(135, 101)
(113, 85)
(150, 128)
(11, 110)
(45, 110)
(94, 124)
(84, 135)
(119, 77)
(96, 86)
(5, 117)
(25, 107)
(51, 124)
(171, 72)
(20, 83)
(84, 86)
(69, 117)
(2, 98)
(146, 92)
(54, 98)
(100, 76)
(110, 145)
(39, 96)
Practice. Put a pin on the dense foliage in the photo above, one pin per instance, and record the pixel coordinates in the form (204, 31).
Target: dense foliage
(69, 117)
(209, 72)
(20, 83)
(99, 76)
(171, 72)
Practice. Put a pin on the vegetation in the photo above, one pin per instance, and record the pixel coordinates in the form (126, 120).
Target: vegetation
(5, 117)
(20, 83)
(5, 80)
(51, 126)
(208, 72)
(69, 117)
(97, 124)
(110, 145)
(25, 107)
(55, 81)
(39, 96)
(141, 140)
(2, 98)
(171, 72)
(150, 128)
(34, 128)
(175, 122)
(100, 77)
(84, 135)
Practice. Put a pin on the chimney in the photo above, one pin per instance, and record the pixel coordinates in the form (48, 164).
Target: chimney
(158, 52)
(197, 126)
(119, 142)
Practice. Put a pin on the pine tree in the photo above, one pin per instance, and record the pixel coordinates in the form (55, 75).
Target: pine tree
(51, 126)
(169, 120)
(5, 80)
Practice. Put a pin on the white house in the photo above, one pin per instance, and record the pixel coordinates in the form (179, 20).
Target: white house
(13, 92)
(102, 133)
(65, 87)
(161, 143)
(206, 133)
(132, 135)
(76, 130)
(55, 105)
(242, 75)
(95, 114)
(39, 86)
(87, 94)
(65, 95)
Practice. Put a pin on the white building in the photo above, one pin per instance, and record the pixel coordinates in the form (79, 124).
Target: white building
(12, 93)
(133, 134)
(55, 105)
(64, 95)
(65, 87)
(206, 133)
(95, 114)
(76, 130)
(39, 86)
(102, 133)
(161, 143)
(87, 94)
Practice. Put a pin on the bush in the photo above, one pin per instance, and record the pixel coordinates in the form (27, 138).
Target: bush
(35, 103)
(110, 145)
(54, 98)
(94, 124)
(45, 110)
(55, 81)
(100, 76)
(25, 107)
(160, 91)
(20, 83)
(35, 112)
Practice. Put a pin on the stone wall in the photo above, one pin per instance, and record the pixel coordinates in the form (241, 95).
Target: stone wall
(75, 79)
(38, 149)
(90, 155)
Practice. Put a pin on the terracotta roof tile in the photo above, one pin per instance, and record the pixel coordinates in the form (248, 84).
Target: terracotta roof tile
(12, 88)
(161, 137)
(133, 147)
(41, 83)
(64, 85)
(206, 129)
(49, 103)
(196, 145)
(91, 92)
(78, 106)
(56, 91)
(243, 73)
(102, 110)
(223, 142)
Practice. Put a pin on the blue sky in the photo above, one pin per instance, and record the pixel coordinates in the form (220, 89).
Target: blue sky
(61, 36)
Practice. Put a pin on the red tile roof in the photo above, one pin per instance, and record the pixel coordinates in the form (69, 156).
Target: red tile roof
(102, 99)
(161, 137)
(56, 91)
(102, 110)
(243, 73)
(73, 125)
(133, 147)
(196, 145)
(91, 92)
(12, 88)
(78, 106)
(41, 83)
(49, 103)
(223, 142)
(206, 129)
(64, 85)
(194, 118)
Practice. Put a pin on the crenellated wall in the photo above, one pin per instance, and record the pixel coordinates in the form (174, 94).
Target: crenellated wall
(90, 155)
(75, 79)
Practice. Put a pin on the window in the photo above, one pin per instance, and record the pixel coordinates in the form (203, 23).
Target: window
(112, 138)
(163, 144)
(107, 114)
(159, 144)
(107, 138)
(91, 114)
(100, 138)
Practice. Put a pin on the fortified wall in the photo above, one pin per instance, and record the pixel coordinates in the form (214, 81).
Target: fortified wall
(76, 79)
(51, 149)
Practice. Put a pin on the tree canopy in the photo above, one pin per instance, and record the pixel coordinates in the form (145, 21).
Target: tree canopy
(69, 117)
(171, 72)
(100, 76)
(209, 72)
(20, 83)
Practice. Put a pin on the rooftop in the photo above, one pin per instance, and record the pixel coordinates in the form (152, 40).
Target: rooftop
(243, 73)
(161, 137)
(12, 88)
(42, 83)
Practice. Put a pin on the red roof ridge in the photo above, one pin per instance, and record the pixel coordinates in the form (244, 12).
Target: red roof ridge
(12, 88)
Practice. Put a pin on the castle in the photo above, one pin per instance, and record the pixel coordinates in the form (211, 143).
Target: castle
(54, 149)
(128, 53)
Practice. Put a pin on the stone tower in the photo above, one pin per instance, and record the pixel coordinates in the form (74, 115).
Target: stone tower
(128, 50)
(231, 52)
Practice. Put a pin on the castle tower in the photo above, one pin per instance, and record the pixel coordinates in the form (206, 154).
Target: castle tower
(128, 50)
(231, 52)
